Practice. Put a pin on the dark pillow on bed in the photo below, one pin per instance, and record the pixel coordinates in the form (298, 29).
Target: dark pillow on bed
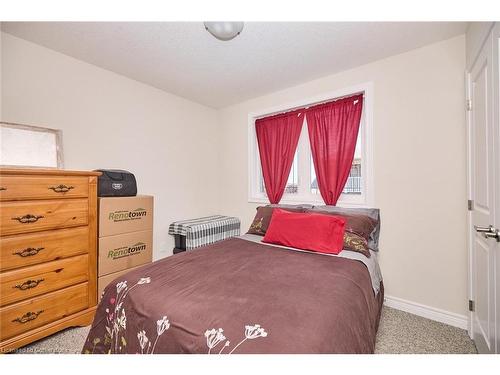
(292, 206)
(294, 229)
(263, 216)
(356, 243)
(358, 229)
(372, 213)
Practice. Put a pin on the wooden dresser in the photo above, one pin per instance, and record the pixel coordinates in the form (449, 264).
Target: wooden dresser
(48, 256)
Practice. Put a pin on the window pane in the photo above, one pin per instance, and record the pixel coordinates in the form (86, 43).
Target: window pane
(314, 181)
(354, 181)
(292, 185)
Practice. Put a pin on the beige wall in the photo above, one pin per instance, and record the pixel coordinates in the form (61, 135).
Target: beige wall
(110, 121)
(419, 167)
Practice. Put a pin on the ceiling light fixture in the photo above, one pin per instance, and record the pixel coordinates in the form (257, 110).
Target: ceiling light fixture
(224, 30)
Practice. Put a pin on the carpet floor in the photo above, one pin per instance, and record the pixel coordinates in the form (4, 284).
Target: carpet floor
(399, 332)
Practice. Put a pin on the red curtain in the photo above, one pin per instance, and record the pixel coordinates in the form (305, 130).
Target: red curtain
(277, 137)
(333, 130)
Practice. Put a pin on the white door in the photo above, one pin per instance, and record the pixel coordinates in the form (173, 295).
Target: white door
(483, 164)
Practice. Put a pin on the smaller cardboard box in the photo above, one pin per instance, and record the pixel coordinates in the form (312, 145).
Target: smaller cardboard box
(123, 251)
(104, 281)
(119, 215)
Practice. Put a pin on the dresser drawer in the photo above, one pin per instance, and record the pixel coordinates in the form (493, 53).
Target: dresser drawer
(36, 312)
(28, 282)
(28, 249)
(43, 187)
(31, 216)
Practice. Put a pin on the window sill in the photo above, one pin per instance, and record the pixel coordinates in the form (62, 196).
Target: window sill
(286, 201)
(315, 202)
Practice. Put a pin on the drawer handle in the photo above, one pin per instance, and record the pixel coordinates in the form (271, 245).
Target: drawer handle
(29, 284)
(2, 188)
(28, 317)
(61, 188)
(27, 219)
(28, 252)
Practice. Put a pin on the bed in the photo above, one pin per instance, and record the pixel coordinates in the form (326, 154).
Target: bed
(242, 296)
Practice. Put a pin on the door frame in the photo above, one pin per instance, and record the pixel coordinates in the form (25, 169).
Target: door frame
(496, 134)
(470, 234)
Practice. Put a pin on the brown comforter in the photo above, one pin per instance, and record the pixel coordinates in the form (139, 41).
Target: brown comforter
(238, 296)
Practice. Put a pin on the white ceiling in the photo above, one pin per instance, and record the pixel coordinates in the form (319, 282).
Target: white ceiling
(183, 59)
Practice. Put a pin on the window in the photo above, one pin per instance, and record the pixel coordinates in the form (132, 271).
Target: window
(302, 185)
(354, 184)
(292, 185)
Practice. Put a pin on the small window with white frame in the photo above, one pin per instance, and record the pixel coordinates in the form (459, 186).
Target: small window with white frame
(302, 186)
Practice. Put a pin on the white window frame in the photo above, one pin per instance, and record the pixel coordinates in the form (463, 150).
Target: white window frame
(365, 199)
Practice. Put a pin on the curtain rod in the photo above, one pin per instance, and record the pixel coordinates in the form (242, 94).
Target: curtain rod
(311, 105)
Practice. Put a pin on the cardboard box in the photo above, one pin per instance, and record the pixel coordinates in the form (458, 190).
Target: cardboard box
(119, 215)
(103, 281)
(117, 253)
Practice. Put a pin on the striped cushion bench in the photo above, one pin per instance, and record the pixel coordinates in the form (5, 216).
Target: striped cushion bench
(190, 234)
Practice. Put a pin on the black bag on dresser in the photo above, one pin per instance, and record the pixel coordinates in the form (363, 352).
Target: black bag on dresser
(116, 183)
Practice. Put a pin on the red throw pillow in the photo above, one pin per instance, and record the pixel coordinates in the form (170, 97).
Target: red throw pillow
(306, 231)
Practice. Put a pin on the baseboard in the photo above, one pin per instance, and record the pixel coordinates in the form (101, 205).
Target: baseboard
(442, 316)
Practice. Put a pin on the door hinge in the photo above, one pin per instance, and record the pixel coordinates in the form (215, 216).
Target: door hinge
(468, 105)
(471, 305)
(470, 204)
